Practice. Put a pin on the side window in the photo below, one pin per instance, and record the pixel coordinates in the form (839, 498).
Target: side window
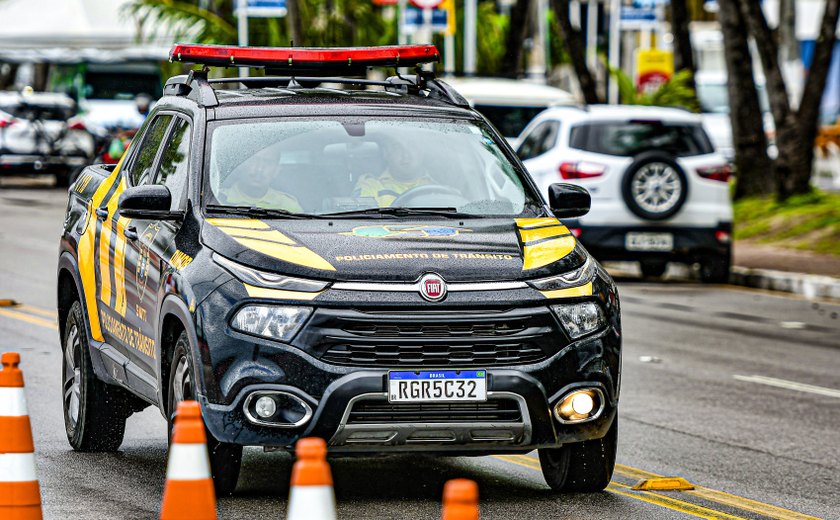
(539, 141)
(174, 165)
(148, 149)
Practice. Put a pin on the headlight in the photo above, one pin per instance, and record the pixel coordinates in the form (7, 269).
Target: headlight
(270, 321)
(269, 280)
(576, 278)
(580, 319)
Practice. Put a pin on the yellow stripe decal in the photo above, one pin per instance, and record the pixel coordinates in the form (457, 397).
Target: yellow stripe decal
(293, 254)
(86, 254)
(238, 223)
(104, 264)
(571, 292)
(269, 235)
(279, 294)
(529, 223)
(119, 266)
(542, 233)
(544, 253)
(257, 235)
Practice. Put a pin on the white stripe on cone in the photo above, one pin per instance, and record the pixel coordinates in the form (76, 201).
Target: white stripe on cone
(188, 462)
(17, 467)
(12, 402)
(311, 503)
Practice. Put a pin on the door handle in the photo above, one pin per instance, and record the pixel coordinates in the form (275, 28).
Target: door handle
(130, 233)
(102, 213)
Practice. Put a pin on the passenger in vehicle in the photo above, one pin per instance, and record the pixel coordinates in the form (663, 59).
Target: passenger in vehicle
(251, 186)
(402, 173)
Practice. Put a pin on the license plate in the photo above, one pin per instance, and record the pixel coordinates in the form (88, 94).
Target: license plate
(434, 386)
(649, 242)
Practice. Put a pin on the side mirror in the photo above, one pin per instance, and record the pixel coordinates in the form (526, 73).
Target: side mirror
(150, 201)
(568, 200)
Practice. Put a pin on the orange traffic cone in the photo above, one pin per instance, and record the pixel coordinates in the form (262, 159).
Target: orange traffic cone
(460, 500)
(311, 496)
(189, 487)
(20, 496)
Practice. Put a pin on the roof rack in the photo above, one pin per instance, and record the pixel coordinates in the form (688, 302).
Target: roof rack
(309, 67)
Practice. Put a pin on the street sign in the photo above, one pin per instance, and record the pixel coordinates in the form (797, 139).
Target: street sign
(654, 67)
(262, 8)
(637, 14)
(426, 4)
(413, 20)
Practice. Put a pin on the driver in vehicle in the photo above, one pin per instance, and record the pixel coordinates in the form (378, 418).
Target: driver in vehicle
(403, 172)
(251, 186)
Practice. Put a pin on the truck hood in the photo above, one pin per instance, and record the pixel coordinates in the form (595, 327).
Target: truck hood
(397, 250)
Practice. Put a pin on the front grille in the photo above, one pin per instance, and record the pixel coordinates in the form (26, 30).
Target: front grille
(484, 355)
(432, 339)
(383, 412)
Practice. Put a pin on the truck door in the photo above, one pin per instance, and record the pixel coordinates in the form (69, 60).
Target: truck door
(119, 324)
(150, 245)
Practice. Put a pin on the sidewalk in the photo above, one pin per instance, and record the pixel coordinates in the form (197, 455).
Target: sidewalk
(801, 272)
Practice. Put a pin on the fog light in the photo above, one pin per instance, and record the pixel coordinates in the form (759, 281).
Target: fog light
(265, 407)
(579, 405)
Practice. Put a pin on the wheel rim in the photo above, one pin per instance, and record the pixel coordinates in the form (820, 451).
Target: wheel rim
(72, 386)
(656, 187)
(182, 383)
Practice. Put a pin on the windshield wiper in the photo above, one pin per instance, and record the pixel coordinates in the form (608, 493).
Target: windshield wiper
(253, 211)
(400, 212)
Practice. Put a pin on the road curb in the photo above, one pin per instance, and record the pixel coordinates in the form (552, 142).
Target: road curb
(810, 286)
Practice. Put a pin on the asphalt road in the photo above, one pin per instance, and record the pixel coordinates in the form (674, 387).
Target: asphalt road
(737, 391)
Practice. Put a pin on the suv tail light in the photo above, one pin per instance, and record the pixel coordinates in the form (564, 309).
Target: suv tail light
(6, 122)
(716, 173)
(76, 124)
(581, 170)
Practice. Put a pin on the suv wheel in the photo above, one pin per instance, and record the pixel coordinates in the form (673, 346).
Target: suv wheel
(654, 186)
(653, 268)
(714, 268)
(581, 466)
(94, 412)
(225, 458)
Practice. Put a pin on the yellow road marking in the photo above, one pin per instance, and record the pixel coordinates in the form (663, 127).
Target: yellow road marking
(29, 319)
(669, 502)
(721, 497)
(37, 310)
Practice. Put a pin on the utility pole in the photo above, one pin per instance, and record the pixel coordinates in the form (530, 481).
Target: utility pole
(242, 29)
(470, 21)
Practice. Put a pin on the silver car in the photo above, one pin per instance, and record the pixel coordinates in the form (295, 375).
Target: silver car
(40, 134)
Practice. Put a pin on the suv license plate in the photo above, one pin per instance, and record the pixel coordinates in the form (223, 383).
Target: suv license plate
(435, 386)
(649, 242)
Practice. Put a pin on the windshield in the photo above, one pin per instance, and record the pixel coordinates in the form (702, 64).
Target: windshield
(714, 98)
(329, 166)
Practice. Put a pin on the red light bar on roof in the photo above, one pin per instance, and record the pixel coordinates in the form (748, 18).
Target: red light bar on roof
(302, 58)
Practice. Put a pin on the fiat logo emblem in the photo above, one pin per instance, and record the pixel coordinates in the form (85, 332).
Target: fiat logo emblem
(432, 287)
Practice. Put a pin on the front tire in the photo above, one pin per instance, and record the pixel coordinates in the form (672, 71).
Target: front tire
(225, 458)
(653, 268)
(581, 466)
(715, 268)
(94, 412)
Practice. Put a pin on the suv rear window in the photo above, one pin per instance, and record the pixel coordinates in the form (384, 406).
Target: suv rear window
(509, 120)
(630, 138)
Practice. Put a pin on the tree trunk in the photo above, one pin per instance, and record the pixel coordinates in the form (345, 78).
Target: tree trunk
(683, 53)
(573, 41)
(809, 108)
(753, 167)
(294, 23)
(795, 131)
(513, 60)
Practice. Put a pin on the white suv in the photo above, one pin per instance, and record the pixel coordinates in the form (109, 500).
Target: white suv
(659, 190)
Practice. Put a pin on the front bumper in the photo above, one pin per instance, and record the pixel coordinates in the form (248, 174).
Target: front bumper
(345, 396)
(608, 243)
